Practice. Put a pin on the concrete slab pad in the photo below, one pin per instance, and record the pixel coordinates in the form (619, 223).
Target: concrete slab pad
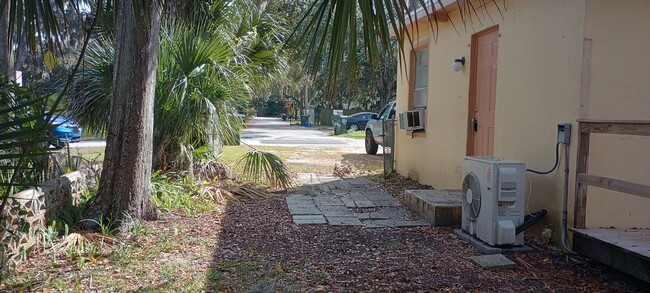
(340, 192)
(348, 202)
(323, 188)
(386, 202)
(341, 184)
(307, 178)
(364, 203)
(303, 208)
(494, 261)
(328, 200)
(487, 249)
(389, 213)
(343, 221)
(309, 219)
(327, 178)
(406, 223)
(358, 182)
(440, 207)
(356, 195)
(299, 196)
(305, 211)
(300, 205)
(379, 223)
(362, 216)
(335, 211)
(299, 201)
(375, 194)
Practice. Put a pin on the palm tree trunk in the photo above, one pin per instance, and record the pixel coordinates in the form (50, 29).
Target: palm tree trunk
(6, 66)
(125, 184)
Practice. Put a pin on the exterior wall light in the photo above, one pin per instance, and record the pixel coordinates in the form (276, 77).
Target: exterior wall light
(458, 64)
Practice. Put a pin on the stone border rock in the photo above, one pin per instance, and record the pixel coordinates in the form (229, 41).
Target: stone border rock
(40, 203)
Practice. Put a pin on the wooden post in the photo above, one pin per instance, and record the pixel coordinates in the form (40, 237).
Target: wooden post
(580, 207)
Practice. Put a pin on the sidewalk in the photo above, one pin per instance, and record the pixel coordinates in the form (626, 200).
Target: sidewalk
(347, 202)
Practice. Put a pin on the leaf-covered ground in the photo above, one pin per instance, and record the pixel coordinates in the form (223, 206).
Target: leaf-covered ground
(255, 247)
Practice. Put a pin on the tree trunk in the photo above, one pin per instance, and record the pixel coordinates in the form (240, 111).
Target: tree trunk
(6, 66)
(125, 185)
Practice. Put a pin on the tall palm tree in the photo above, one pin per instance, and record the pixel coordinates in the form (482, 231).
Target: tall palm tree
(205, 68)
(125, 184)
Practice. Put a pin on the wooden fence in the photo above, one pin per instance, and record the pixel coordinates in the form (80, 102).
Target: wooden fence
(584, 179)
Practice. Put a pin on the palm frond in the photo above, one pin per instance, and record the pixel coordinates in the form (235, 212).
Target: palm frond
(24, 137)
(90, 97)
(329, 28)
(265, 168)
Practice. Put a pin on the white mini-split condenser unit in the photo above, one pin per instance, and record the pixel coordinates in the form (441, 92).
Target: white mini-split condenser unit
(411, 120)
(493, 200)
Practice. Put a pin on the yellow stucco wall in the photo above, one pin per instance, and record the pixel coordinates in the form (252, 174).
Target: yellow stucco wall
(540, 84)
(619, 89)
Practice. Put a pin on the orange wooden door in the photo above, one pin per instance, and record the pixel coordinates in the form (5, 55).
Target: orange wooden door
(483, 92)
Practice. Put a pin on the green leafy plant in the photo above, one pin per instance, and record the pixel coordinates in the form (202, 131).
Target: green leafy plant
(48, 234)
(206, 71)
(106, 226)
(122, 255)
(67, 217)
(265, 168)
(174, 194)
(135, 226)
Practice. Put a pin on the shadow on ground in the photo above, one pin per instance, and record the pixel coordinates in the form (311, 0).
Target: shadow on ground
(260, 249)
(364, 161)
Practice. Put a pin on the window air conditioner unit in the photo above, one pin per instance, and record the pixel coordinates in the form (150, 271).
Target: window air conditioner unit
(411, 120)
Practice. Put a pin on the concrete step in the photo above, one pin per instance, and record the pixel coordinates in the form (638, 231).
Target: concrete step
(627, 250)
(440, 207)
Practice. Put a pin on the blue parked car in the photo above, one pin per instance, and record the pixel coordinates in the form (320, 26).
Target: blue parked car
(66, 130)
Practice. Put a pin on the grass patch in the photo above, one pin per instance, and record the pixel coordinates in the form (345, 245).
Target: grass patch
(309, 160)
(94, 136)
(89, 153)
(168, 258)
(247, 275)
(180, 195)
(355, 134)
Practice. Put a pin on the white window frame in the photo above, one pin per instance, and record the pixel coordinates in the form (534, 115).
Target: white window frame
(420, 78)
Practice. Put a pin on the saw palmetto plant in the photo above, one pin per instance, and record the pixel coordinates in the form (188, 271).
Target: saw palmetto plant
(23, 138)
(265, 168)
(205, 69)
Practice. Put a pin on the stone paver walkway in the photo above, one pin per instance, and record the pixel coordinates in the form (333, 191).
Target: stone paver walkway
(346, 202)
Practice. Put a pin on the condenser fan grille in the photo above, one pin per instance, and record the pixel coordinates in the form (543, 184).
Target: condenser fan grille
(471, 196)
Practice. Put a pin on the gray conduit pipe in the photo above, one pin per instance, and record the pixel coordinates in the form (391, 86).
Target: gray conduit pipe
(566, 249)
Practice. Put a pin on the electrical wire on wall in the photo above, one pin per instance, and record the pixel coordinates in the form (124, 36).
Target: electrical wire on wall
(557, 161)
(565, 192)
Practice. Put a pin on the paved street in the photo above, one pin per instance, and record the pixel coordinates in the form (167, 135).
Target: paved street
(275, 132)
(347, 202)
(88, 144)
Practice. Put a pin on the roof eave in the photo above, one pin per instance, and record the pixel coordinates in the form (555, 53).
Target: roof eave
(421, 13)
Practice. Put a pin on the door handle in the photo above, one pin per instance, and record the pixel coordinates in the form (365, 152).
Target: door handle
(474, 124)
